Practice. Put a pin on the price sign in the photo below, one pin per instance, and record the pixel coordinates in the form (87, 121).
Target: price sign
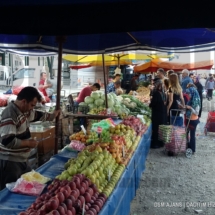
(123, 151)
(109, 174)
(83, 209)
(83, 129)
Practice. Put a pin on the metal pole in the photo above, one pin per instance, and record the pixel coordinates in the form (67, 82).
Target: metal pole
(60, 40)
(105, 84)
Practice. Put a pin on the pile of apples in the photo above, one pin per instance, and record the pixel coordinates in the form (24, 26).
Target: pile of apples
(136, 124)
(98, 166)
(68, 198)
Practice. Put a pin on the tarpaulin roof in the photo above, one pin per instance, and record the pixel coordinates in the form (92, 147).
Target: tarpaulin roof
(155, 64)
(178, 41)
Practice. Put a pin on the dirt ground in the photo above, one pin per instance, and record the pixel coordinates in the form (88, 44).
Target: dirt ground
(179, 185)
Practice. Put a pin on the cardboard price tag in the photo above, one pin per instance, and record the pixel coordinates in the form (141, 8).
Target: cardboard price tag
(123, 151)
(83, 129)
(83, 209)
(109, 174)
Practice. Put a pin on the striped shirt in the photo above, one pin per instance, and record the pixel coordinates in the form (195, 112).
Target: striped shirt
(14, 127)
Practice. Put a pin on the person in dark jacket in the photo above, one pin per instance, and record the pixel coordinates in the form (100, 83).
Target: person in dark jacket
(159, 112)
(200, 90)
(134, 82)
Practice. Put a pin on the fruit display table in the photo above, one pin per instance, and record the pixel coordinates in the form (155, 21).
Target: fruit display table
(117, 203)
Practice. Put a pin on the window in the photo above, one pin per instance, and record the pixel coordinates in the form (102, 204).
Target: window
(26, 61)
(25, 73)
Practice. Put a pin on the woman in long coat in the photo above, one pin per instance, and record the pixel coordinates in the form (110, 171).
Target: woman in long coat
(159, 112)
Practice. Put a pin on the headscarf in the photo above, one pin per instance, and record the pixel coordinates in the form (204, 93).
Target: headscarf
(160, 88)
(194, 99)
(197, 79)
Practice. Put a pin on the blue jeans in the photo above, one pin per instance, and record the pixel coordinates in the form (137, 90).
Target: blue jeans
(192, 129)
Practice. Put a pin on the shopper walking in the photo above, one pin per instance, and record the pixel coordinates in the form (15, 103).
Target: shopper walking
(210, 87)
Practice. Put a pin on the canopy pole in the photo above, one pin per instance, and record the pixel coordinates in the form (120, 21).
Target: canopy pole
(105, 85)
(60, 40)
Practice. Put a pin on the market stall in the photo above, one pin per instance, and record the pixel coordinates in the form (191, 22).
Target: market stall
(111, 159)
(117, 203)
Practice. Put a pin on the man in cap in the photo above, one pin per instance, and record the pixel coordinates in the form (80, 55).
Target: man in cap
(185, 79)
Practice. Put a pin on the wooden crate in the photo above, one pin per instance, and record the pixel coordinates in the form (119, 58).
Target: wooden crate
(46, 140)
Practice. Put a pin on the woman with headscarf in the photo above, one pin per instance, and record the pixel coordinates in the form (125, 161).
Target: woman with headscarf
(192, 112)
(159, 112)
(200, 90)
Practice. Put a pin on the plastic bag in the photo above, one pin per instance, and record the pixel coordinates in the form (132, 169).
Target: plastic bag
(75, 146)
(22, 186)
(35, 177)
(102, 125)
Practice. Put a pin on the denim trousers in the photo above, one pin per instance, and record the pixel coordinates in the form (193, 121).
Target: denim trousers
(192, 130)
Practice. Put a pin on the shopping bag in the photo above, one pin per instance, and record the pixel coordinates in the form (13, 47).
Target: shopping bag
(164, 133)
(178, 140)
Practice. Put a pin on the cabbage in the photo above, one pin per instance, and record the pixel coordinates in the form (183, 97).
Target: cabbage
(119, 98)
(113, 95)
(82, 104)
(99, 102)
(110, 103)
(109, 96)
(88, 100)
(95, 95)
(91, 106)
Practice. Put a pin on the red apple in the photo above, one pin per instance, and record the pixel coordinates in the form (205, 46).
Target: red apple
(66, 193)
(69, 212)
(38, 206)
(72, 185)
(87, 197)
(73, 211)
(23, 213)
(96, 207)
(64, 206)
(93, 186)
(33, 213)
(82, 199)
(94, 210)
(74, 193)
(61, 197)
(61, 210)
(90, 190)
(82, 190)
(84, 185)
(93, 197)
(78, 191)
(52, 204)
(102, 199)
(89, 212)
(54, 212)
(33, 205)
(103, 195)
(69, 203)
(99, 203)
(72, 198)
